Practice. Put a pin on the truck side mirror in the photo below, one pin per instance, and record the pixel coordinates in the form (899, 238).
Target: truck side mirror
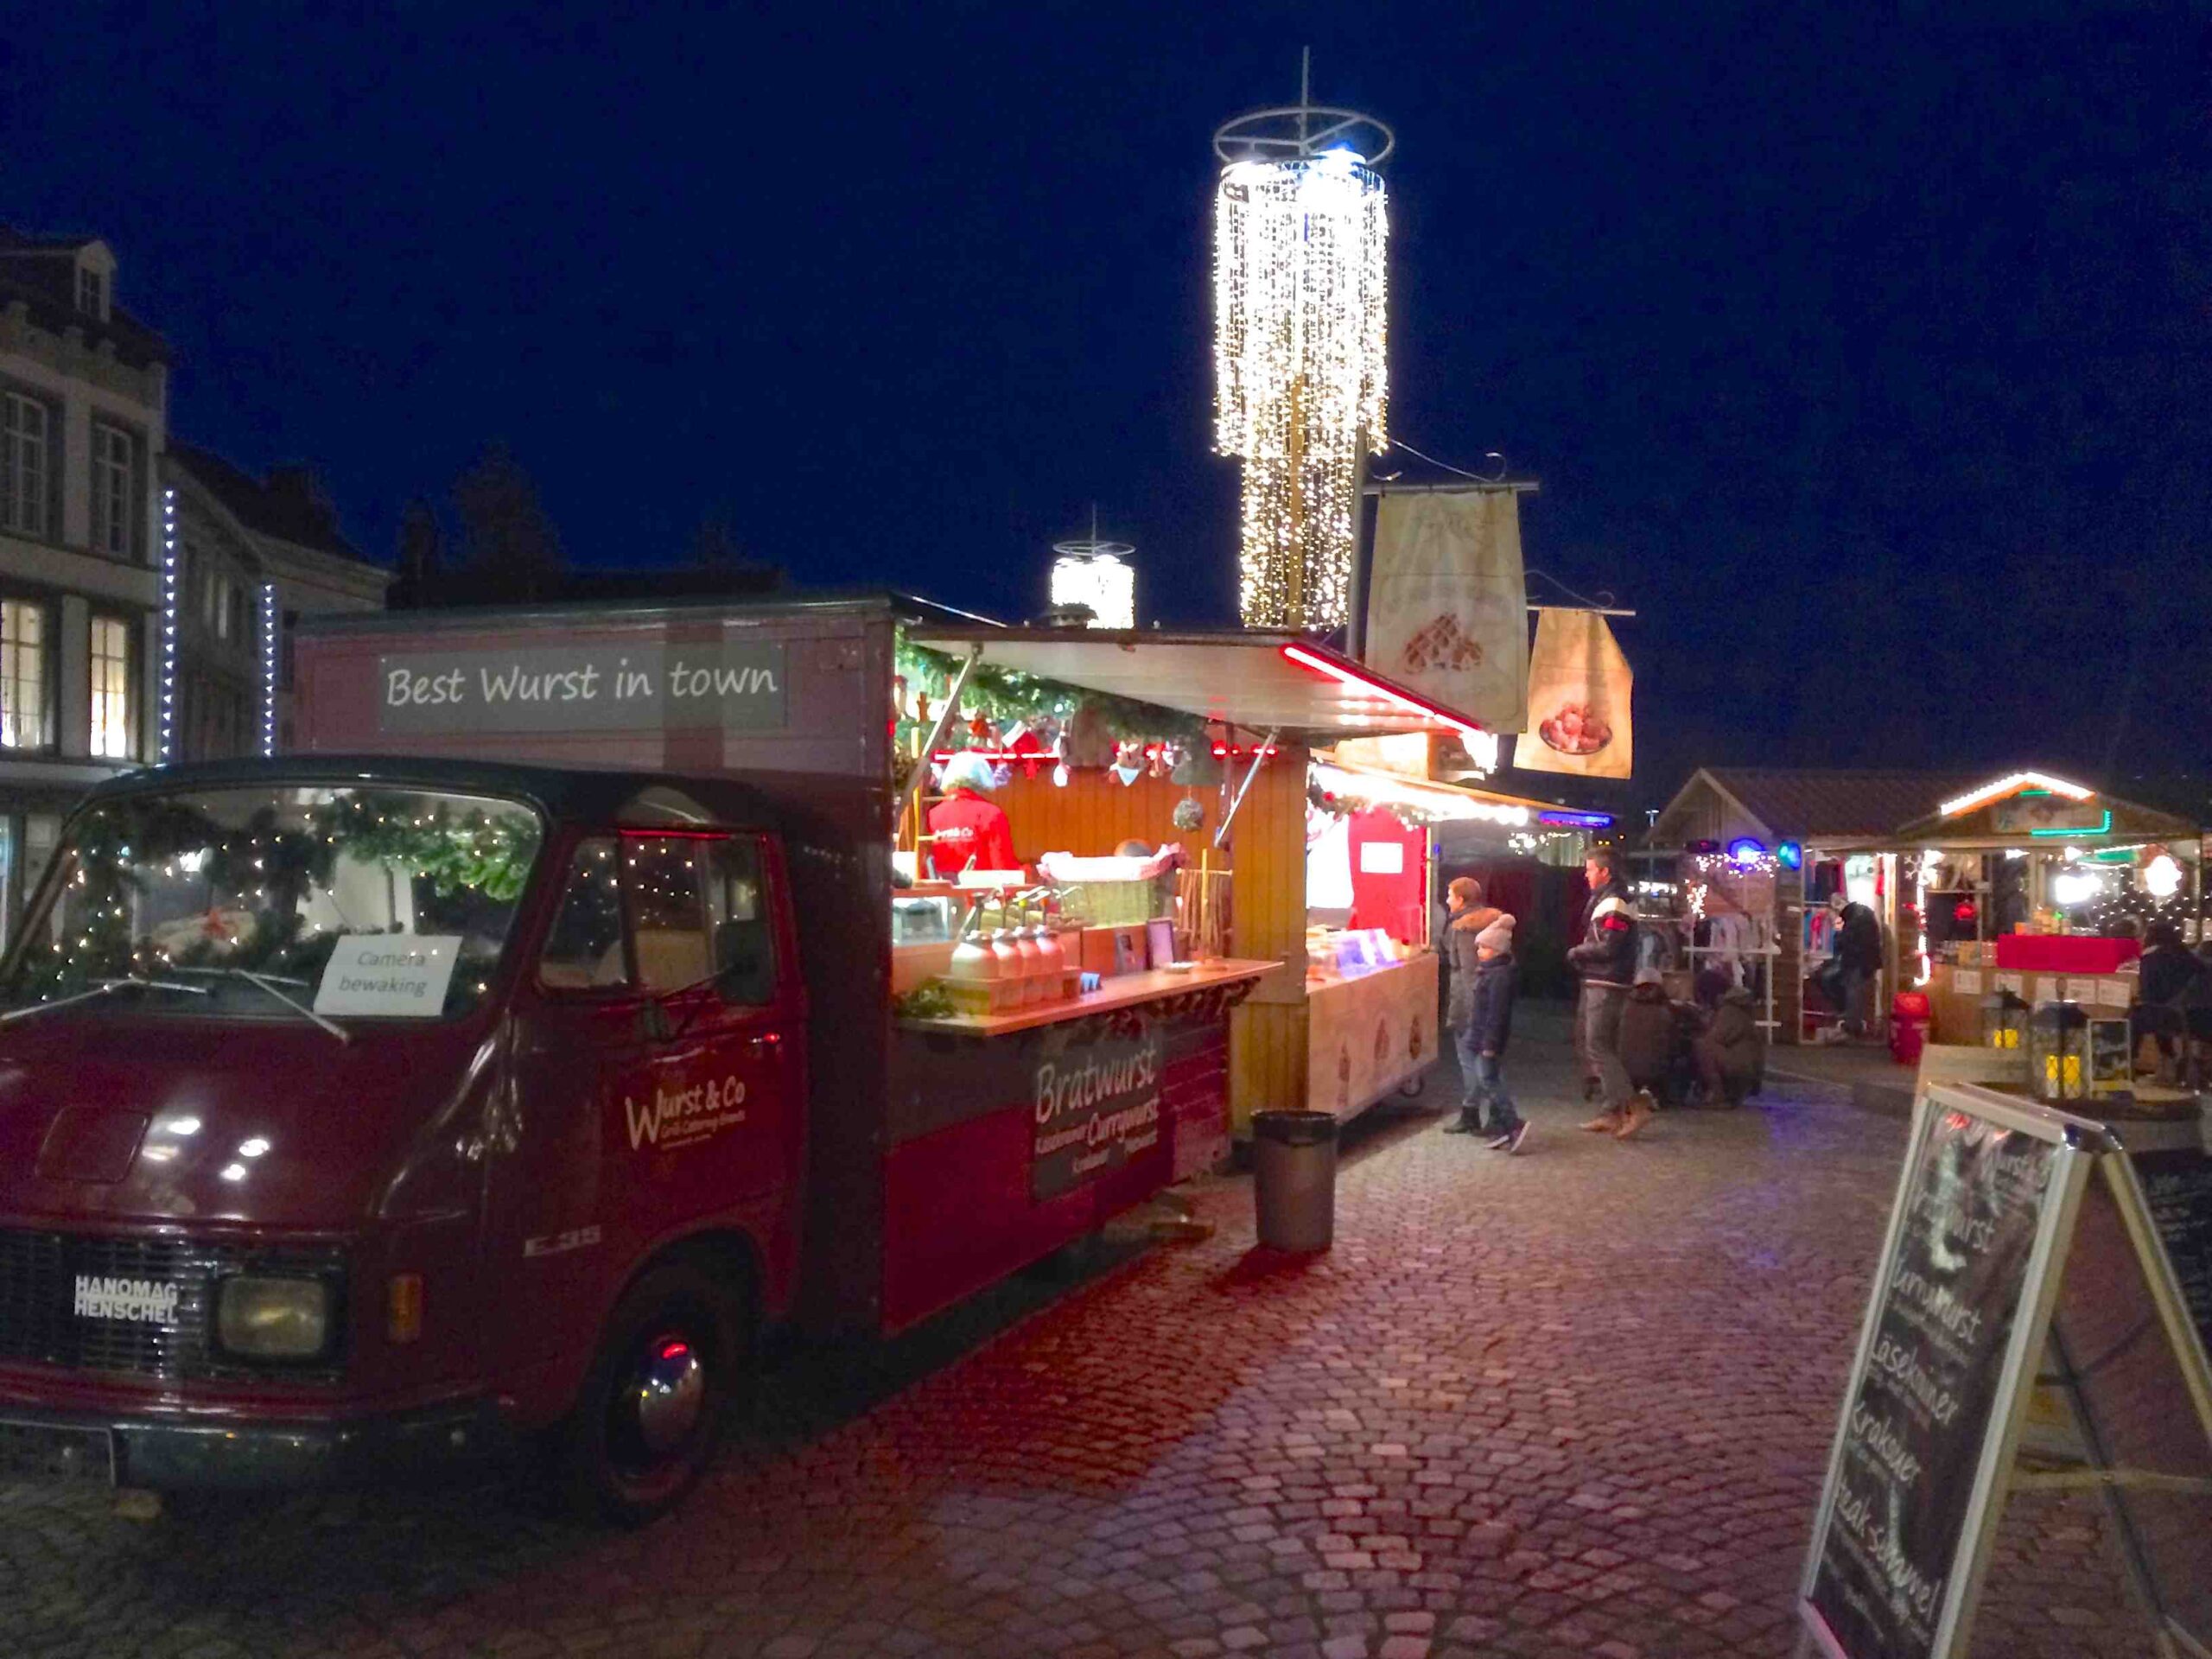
(652, 1021)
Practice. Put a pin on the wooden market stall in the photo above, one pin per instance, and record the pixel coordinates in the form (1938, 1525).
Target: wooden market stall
(1949, 863)
(2043, 887)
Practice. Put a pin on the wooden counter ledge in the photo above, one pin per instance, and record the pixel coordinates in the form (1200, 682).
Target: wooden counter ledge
(1123, 991)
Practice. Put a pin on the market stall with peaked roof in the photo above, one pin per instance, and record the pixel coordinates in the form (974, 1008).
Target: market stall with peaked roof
(1946, 860)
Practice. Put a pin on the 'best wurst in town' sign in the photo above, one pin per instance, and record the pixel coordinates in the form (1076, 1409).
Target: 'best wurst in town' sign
(735, 685)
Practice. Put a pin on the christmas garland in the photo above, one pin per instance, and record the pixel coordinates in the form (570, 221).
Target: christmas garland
(1006, 697)
(1342, 806)
(467, 850)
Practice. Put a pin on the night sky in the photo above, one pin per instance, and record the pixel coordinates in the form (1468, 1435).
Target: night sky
(1863, 350)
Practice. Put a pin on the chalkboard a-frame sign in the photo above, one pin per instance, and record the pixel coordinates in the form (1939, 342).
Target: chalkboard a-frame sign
(1969, 1274)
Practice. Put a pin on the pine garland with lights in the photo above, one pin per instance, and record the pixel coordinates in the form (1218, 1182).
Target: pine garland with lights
(269, 868)
(1004, 697)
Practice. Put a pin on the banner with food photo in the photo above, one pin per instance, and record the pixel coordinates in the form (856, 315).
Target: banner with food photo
(1448, 608)
(1579, 685)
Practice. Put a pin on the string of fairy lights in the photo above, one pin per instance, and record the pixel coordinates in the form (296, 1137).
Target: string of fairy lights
(1299, 379)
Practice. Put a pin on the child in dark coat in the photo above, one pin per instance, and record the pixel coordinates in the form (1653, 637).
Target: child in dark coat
(1482, 1011)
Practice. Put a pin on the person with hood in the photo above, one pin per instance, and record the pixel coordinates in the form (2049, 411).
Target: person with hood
(1478, 941)
(1605, 958)
(1857, 960)
(1651, 1045)
(1730, 1054)
(967, 831)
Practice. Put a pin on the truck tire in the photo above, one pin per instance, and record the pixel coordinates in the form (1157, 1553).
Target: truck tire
(651, 1413)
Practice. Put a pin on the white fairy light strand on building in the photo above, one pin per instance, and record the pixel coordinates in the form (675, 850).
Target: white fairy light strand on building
(1300, 380)
(171, 601)
(269, 647)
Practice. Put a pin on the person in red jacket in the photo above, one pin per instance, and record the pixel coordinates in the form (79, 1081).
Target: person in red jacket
(967, 831)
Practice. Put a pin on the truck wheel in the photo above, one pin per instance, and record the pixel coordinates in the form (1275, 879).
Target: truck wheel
(650, 1412)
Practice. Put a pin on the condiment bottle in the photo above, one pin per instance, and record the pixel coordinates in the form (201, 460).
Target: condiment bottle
(1030, 964)
(1051, 962)
(1009, 956)
(973, 959)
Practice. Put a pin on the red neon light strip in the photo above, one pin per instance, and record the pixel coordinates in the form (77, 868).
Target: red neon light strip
(1342, 674)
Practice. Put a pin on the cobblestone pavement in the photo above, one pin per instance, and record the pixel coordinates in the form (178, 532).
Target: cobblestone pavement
(1574, 1402)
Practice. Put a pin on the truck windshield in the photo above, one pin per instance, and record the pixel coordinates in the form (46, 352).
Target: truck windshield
(352, 899)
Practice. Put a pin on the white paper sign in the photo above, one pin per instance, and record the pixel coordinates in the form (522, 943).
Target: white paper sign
(2115, 993)
(1383, 858)
(391, 974)
(1967, 981)
(2013, 983)
(2047, 991)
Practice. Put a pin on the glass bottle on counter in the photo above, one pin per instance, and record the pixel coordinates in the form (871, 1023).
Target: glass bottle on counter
(1009, 960)
(1051, 962)
(1031, 967)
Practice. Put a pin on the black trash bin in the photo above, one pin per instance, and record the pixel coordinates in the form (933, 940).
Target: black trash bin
(1294, 1178)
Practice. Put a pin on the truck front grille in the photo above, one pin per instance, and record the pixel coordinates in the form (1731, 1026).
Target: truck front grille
(40, 1323)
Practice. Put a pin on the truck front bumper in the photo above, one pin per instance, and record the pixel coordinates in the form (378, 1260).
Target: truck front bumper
(171, 1454)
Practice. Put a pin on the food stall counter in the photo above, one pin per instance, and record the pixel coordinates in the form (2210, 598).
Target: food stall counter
(1123, 991)
(1370, 1030)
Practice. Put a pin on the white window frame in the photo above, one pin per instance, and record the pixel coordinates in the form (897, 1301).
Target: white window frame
(25, 723)
(113, 734)
(114, 464)
(26, 464)
(91, 292)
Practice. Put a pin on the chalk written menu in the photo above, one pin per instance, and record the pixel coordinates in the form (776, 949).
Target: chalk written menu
(1917, 1417)
(2178, 1186)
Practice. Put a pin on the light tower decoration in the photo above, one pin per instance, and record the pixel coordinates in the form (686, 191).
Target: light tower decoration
(1095, 574)
(1299, 385)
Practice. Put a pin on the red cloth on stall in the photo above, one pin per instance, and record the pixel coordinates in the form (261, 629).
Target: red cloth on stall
(1381, 897)
(965, 826)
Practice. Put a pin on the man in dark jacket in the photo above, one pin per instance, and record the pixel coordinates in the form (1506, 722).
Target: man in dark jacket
(1605, 958)
(1479, 942)
(1859, 958)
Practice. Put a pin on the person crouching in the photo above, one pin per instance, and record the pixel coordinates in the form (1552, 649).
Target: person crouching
(1481, 946)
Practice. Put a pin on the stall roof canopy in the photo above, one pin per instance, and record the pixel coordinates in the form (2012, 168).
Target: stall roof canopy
(2027, 808)
(1261, 681)
(1814, 805)
(1450, 801)
(1878, 809)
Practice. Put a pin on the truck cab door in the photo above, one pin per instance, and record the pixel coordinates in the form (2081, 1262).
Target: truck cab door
(706, 1118)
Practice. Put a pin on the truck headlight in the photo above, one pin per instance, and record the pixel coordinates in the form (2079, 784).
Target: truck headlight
(273, 1319)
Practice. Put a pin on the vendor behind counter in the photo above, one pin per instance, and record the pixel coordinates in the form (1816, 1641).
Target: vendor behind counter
(966, 830)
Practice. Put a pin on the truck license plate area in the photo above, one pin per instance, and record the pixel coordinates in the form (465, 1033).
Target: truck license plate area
(43, 1451)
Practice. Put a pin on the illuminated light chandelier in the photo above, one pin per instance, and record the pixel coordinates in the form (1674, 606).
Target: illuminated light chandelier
(1095, 574)
(1299, 384)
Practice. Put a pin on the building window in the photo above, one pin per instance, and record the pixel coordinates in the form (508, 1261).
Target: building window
(24, 471)
(215, 604)
(112, 723)
(112, 471)
(22, 674)
(91, 292)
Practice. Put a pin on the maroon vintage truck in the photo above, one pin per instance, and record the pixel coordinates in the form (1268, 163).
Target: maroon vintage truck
(502, 1063)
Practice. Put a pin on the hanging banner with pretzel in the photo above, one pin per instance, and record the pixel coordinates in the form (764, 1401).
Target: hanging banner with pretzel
(1578, 686)
(1448, 610)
